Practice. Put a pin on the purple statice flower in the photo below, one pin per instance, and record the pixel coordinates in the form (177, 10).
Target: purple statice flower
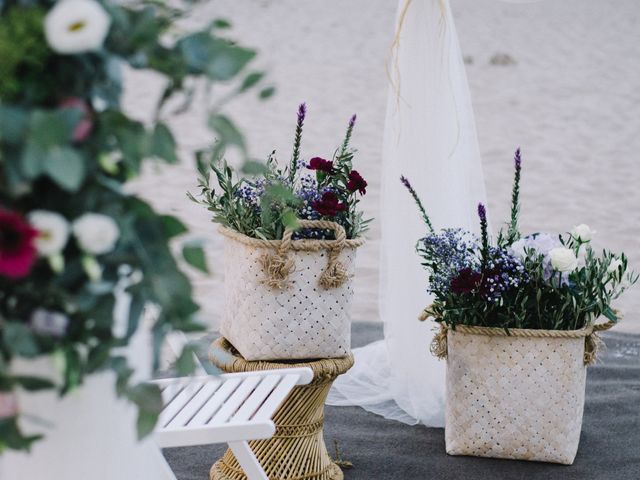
(447, 253)
(352, 121)
(308, 193)
(251, 193)
(502, 273)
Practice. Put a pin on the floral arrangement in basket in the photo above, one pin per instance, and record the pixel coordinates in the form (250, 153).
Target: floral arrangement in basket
(517, 327)
(291, 235)
(264, 205)
(70, 235)
(536, 281)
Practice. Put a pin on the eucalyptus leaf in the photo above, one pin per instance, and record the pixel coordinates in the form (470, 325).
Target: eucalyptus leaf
(228, 132)
(65, 166)
(251, 80)
(172, 226)
(194, 256)
(19, 339)
(163, 145)
(34, 383)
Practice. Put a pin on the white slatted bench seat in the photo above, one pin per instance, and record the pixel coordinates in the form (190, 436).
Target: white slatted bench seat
(231, 408)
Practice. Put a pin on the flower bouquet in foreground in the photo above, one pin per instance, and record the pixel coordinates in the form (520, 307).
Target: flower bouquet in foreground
(290, 240)
(80, 257)
(518, 322)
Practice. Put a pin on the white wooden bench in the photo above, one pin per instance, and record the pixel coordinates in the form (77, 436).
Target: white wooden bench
(231, 408)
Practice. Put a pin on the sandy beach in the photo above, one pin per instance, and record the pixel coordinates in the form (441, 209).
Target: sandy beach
(568, 95)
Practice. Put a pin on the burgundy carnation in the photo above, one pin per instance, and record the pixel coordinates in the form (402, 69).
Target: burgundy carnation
(320, 164)
(328, 205)
(356, 182)
(466, 281)
(17, 248)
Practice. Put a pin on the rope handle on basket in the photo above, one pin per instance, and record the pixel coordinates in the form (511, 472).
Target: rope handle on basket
(278, 266)
(593, 343)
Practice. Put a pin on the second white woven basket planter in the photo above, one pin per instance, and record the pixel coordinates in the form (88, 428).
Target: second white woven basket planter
(289, 299)
(518, 396)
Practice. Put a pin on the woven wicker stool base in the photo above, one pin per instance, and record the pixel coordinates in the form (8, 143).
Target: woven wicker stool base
(297, 450)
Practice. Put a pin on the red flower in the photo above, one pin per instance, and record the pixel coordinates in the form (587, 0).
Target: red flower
(85, 125)
(356, 182)
(320, 164)
(328, 205)
(466, 281)
(17, 249)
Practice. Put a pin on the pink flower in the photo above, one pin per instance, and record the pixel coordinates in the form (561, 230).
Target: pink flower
(8, 405)
(84, 127)
(17, 245)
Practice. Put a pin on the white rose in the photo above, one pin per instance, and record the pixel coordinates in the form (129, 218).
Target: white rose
(53, 232)
(582, 232)
(614, 266)
(96, 233)
(563, 259)
(76, 26)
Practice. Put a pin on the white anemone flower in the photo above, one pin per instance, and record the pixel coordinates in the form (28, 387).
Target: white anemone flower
(563, 259)
(95, 233)
(76, 26)
(53, 232)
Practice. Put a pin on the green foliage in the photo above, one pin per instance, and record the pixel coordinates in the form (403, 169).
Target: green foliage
(22, 49)
(46, 164)
(543, 298)
(273, 199)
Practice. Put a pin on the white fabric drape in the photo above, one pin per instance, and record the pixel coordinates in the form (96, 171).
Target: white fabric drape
(430, 137)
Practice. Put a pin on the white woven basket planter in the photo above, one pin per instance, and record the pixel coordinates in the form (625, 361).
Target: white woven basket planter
(289, 299)
(516, 397)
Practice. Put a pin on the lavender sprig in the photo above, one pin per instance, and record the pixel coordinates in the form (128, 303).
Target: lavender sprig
(347, 137)
(482, 213)
(302, 113)
(416, 198)
(514, 234)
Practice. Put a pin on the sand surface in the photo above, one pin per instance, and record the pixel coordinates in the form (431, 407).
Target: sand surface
(570, 98)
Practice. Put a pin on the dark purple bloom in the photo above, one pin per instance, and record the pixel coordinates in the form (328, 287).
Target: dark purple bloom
(320, 164)
(329, 205)
(356, 182)
(482, 212)
(517, 160)
(352, 121)
(466, 282)
(302, 113)
(407, 184)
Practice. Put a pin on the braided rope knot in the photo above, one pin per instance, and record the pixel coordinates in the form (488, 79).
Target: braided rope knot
(592, 341)
(277, 267)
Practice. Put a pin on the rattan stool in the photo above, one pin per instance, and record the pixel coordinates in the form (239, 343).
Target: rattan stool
(297, 450)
